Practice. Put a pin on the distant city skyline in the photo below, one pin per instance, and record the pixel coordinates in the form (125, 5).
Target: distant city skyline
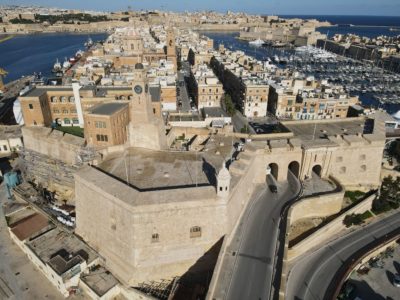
(286, 7)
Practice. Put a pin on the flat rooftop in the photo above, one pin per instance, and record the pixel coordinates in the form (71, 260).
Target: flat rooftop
(30, 226)
(184, 117)
(61, 250)
(147, 169)
(214, 112)
(100, 280)
(108, 109)
(308, 131)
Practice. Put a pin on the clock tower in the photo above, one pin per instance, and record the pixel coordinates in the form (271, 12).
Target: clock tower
(171, 47)
(146, 130)
(141, 100)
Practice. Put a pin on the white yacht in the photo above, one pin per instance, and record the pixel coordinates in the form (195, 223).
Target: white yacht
(257, 42)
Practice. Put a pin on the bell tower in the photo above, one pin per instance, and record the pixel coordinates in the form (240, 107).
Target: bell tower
(171, 47)
(146, 130)
(141, 100)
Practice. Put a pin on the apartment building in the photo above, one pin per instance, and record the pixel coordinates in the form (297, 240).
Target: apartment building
(309, 99)
(205, 88)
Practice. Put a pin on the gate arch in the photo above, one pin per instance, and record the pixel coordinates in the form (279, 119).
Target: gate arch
(294, 167)
(274, 170)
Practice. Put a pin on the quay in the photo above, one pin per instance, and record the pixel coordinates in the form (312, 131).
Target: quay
(6, 38)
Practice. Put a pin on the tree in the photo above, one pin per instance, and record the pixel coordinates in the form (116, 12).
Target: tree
(229, 106)
(389, 197)
(191, 57)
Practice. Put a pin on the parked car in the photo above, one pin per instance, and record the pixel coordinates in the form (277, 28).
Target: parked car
(396, 280)
(273, 188)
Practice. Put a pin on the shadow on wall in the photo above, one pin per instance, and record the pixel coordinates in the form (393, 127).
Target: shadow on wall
(210, 172)
(194, 283)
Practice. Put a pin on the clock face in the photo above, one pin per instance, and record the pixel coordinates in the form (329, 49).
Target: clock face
(138, 89)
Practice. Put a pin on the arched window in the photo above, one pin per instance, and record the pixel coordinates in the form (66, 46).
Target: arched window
(195, 232)
(363, 168)
(342, 170)
(53, 99)
(72, 99)
(63, 99)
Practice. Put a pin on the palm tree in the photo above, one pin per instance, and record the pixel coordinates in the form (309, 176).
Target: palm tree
(2, 74)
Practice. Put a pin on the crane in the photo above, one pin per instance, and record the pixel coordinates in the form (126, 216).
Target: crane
(3, 73)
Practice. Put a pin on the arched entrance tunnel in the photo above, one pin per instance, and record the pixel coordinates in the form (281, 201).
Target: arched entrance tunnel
(317, 170)
(274, 170)
(294, 167)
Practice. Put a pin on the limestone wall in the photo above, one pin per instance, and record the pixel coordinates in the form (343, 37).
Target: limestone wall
(53, 143)
(121, 231)
(318, 206)
(327, 231)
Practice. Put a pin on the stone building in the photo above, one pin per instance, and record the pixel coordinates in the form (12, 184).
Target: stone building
(106, 124)
(205, 88)
(161, 210)
(299, 99)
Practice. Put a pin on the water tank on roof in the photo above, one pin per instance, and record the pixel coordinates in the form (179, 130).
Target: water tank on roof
(12, 180)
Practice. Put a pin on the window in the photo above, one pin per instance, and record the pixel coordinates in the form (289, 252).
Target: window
(339, 159)
(342, 170)
(100, 124)
(65, 111)
(363, 168)
(75, 121)
(102, 138)
(53, 99)
(30, 106)
(63, 99)
(56, 111)
(34, 122)
(67, 121)
(5, 148)
(195, 231)
(155, 238)
(72, 99)
(73, 111)
(363, 157)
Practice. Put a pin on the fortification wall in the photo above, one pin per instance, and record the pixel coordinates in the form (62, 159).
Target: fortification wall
(53, 143)
(317, 206)
(328, 231)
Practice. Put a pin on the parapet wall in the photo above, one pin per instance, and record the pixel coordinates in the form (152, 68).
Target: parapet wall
(317, 206)
(327, 231)
(55, 144)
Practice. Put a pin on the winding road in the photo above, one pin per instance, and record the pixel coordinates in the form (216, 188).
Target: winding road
(312, 274)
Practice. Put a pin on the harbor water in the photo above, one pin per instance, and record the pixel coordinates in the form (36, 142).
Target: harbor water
(23, 55)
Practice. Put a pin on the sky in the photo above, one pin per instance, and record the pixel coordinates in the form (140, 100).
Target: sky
(280, 7)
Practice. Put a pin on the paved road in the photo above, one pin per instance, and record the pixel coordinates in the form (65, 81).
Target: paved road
(250, 276)
(239, 121)
(184, 96)
(19, 279)
(311, 275)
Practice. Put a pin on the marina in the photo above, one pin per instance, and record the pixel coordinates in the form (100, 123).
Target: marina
(376, 87)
